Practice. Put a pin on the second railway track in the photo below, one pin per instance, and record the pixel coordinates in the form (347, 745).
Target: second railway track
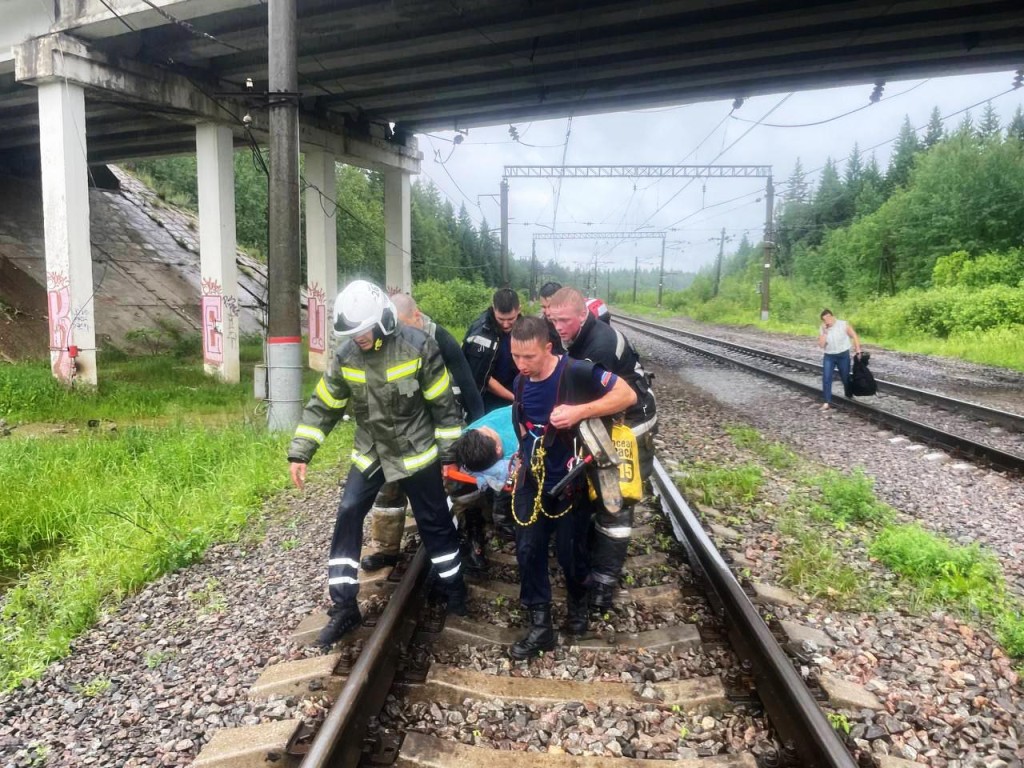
(967, 429)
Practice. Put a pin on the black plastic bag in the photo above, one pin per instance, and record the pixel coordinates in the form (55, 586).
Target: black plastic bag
(862, 381)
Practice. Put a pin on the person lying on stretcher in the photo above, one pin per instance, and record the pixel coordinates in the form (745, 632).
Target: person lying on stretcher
(482, 457)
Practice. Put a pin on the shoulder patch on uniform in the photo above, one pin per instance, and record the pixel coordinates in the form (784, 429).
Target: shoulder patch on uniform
(605, 378)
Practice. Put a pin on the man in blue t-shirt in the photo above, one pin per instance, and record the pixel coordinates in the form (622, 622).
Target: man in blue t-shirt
(552, 395)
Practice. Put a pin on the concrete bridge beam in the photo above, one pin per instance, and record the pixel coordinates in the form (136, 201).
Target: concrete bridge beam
(397, 231)
(69, 278)
(321, 253)
(215, 172)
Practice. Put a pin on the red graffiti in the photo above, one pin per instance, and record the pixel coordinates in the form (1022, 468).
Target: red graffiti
(58, 300)
(212, 310)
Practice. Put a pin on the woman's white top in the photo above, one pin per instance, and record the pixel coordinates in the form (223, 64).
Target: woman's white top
(836, 340)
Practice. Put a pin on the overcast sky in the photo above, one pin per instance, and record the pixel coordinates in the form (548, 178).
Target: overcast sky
(692, 211)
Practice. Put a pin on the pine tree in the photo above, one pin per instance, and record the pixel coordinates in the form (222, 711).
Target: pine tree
(902, 160)
(934, 132)
(797, 189)
(1015, 129)
(989, 129)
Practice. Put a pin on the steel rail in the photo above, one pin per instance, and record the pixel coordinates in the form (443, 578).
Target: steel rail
(984, 413)
(339, 742)
(924, 432)
(801, 725)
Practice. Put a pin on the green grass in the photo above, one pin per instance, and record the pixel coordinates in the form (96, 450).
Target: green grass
(819, 564)
(162, 386)
(946, 573)
(88, 518)
(775, 454)
(98, 516)
(721, 487)
(849, 498)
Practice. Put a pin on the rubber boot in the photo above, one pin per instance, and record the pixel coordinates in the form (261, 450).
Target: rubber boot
(576, 620)
(458, 597)
(539, 638)
(601, 596)
(386, 528)
(501, 513)
(344, 617)
(476, 556)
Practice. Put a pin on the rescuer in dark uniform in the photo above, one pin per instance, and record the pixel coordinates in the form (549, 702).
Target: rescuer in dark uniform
(587, 338)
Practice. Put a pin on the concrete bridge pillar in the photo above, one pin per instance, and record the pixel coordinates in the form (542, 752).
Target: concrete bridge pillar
(69, 278)
(321, 254)
(397, 231)
(215, 171)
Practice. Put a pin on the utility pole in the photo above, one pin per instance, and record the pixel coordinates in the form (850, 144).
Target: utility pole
(533, 273)
(636, 271)
(608, 285)
(504, 233)
(284, 329)
(718, 263)
(661, 273)
(769, 247)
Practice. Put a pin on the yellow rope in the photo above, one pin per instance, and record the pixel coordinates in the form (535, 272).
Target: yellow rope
(538, 467)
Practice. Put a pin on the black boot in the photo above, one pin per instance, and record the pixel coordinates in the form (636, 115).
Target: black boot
(458, 597)
(476, 557)
(601, 596)
(378, 560)
(576, 620)
(344, 617)
(539, 638)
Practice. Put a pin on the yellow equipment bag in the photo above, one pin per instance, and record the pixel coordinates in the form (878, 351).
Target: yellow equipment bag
(630, 482)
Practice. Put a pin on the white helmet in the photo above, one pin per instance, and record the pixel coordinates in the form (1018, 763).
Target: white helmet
(362, 306)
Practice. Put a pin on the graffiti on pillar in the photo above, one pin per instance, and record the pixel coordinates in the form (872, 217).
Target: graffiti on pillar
(212, 311)
(317, 311)
(58, 301)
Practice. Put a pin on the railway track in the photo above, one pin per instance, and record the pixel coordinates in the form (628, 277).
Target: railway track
(966, 429)
(683, 668)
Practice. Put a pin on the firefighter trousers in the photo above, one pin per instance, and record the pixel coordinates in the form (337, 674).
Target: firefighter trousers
(570, 530)
(433, 519)
(610, 533)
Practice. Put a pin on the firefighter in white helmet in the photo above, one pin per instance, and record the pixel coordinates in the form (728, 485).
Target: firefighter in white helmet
(393, 380)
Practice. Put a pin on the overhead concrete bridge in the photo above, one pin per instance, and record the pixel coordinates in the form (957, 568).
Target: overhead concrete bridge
(89, 82)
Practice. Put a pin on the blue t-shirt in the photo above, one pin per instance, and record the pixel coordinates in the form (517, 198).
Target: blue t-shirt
(500, 420)
(539, 400)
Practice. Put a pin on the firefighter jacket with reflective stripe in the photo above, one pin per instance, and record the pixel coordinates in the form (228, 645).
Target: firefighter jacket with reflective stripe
(400, 396)
(606, 346)
(481, 346)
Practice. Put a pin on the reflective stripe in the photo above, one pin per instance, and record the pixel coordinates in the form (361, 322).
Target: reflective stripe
(647, 426)
(446, 574)
(361, 460)
(408, 368)
(481, 341)
(420, 459)
(445, 558)
(448, 433)
(310, 433)
(354, 374)
(438, 387)
(343, 561)
(328, 399)
(621, 532)
(342, 580)
(620, 344)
